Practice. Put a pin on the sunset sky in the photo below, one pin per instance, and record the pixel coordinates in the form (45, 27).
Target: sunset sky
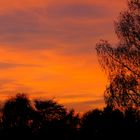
(47, 49)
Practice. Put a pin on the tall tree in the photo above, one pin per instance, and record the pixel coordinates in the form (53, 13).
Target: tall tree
(122, 62)
(17, 112)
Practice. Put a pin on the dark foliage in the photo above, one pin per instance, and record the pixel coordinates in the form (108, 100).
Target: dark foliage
(110, 124)
(122, 61)
(25, 119)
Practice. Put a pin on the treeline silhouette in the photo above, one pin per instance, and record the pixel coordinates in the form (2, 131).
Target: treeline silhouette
(22, 118)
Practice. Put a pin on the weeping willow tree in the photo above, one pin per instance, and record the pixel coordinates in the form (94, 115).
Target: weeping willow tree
(122, 61)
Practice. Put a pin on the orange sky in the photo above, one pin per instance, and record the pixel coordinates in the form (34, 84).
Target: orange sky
(47, 49)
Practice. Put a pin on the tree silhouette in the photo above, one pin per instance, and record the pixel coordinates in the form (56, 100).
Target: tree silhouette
(72, 119)
(122, 93)
(122, 62)
(17, 117)
(25, 119)
(92, 124)
(50, 110)
(49, 119)
(16, 111)
(39, 119)
(55, 120)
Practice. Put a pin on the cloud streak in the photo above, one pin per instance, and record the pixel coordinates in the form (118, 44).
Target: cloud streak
(58, 22)
(8, 65)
